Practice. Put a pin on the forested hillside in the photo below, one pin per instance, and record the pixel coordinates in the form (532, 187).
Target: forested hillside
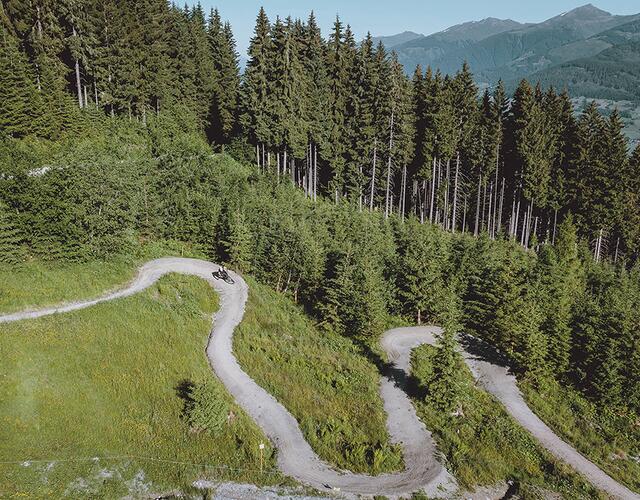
(352, 188)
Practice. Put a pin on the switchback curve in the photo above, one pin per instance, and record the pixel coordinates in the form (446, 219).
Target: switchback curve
(295, 457)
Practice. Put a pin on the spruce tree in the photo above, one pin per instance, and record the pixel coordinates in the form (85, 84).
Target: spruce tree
(239, 242)
(256, 87)
(444, 386)
(18, 95)
(224, 101)
(11, 240)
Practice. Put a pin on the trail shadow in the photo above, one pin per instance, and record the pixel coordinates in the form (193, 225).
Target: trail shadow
(184, 390)
(410, 384)
(483, 351)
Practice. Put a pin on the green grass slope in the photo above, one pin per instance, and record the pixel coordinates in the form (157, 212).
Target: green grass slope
(484, 445)
(609, 438)
(321, 378)
(39, 283)
(127, 378)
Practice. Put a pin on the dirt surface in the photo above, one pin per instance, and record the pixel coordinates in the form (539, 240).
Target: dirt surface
(423, 471)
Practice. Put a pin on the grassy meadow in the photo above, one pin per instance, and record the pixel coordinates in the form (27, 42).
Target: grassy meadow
(126, 379)
(321, 378)
(486, 446)
(39, 283)
(611, 439)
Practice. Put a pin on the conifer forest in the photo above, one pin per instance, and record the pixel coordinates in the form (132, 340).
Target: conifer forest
(368, 195)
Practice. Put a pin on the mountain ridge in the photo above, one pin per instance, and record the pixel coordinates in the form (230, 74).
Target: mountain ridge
(509, 50)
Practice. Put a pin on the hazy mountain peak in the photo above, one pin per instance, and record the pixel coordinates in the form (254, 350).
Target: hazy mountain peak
(586, 13)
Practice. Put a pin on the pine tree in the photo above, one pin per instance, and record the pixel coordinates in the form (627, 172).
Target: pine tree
(255, 88)
(224, 102)
(354, 296)
(239, 242)
(18, 95)
(11, 250)
(444, 387)
(314, 61)
(420, 271)
(561, 274)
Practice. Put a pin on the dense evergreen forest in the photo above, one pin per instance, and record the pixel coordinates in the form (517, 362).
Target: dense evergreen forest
(354, 182)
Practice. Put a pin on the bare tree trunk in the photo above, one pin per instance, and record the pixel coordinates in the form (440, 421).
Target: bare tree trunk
(513, 215)
(464, 216)
(433, 190)
(77, 67)
(500, 209)
(535, 228)
(258, 156)
(373, 173)
(489, 222)
(495, 201)
(475, 231)
(515, 229)
(284, 162)
(403, 190)
(615, 259)
(455, 194)
(445, 218)
(529, 218)
(95, 89)
(555, 224)
(315, 171)
(523, 235)
(484, 207)
(387, 199)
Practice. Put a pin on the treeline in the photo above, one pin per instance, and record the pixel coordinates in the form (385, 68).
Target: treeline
(556, 313)
(337, 117)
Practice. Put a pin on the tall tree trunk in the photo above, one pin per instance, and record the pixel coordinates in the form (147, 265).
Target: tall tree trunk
(464, 215)
(495, 201)
(388, 191)
(475, 231)
(515, 229)
(500, 209)
(489, 220)
(433, 190)
(455, 194)
(315, 171)
(77, 67)
(403, 190)
(373, 173)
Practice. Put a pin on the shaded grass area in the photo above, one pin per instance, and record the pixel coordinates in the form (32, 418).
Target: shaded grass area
(39, 283)
(485, 446)
(123, 378)
(321, 378)
(609, 438)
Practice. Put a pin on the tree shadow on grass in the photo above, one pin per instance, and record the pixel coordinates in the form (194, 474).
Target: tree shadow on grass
(184, 390)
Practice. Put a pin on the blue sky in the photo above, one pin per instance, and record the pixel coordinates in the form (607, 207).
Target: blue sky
(393, 16)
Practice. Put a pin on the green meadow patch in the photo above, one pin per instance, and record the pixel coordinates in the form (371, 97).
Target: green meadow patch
(484, 445)
(321, 378)
(119, 399)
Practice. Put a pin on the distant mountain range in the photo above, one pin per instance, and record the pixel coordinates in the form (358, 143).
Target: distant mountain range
(587, 50)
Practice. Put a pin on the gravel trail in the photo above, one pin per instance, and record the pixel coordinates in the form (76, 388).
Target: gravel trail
(423, 470)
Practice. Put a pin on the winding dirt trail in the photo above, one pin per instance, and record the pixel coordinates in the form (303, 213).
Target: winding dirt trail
(295, 457)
